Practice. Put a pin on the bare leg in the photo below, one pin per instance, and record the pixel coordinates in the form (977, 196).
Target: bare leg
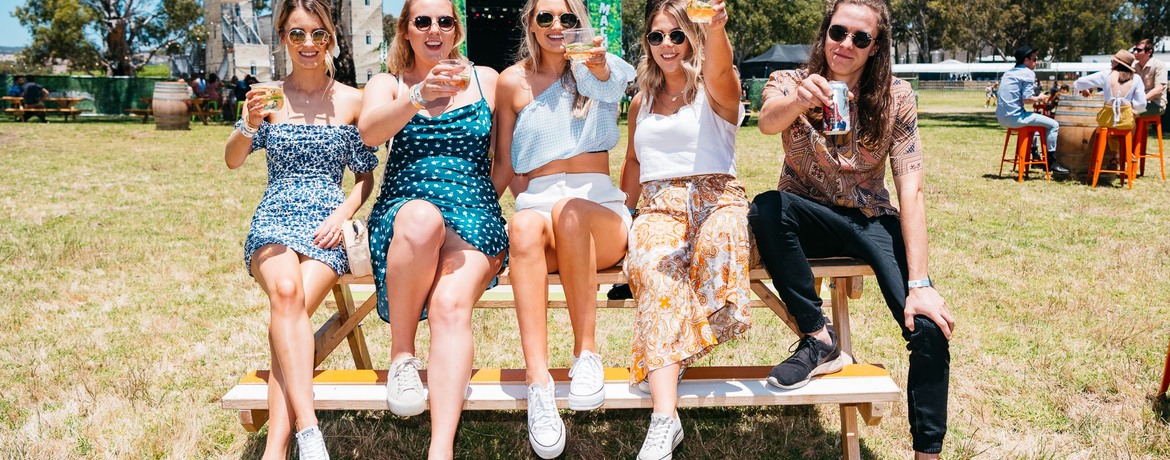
(532, 257)
(464, 273)
(279, 272)
(281, 420)
(664, 389)
(588, 236)
(411, 262)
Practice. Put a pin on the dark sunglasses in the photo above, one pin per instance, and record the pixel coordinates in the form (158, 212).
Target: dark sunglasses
(423, 23)
(676, 36)
(544, 19)
(298, 36)
(1142, 50)
(861, 40)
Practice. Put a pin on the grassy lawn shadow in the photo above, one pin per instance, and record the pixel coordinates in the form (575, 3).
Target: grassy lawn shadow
(787, 432)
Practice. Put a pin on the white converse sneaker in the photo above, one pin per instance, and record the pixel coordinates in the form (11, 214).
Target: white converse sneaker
(663, 436)
(311, 444)
(546, 430)
(587, 390)
(404, 389)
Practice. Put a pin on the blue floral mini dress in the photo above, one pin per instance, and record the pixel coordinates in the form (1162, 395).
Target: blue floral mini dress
(444, 161)
(305, 167)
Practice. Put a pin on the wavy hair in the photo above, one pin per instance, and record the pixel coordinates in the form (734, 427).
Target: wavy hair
(528, 54)
(873, 96)
(319, 8)
(650, 77)
(401, 55)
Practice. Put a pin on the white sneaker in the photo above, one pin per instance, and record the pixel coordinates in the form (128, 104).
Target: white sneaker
(404, 389)
(587, 390)
(311, 444)
(546, 430)
(663, 436)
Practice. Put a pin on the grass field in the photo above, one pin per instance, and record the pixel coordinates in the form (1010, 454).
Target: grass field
(128, 312)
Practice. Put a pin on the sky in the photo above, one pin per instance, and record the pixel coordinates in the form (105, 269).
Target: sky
(16, 35)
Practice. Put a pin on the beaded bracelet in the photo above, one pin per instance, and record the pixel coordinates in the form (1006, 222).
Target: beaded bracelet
(416, 98)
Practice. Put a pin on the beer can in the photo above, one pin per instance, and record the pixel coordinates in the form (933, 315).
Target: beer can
(837, 113)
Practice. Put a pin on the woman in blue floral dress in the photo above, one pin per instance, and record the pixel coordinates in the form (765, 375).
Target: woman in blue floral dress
(437, 235)
(293, 248)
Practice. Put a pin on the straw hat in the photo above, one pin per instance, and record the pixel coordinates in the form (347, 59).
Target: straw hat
(1125, 59)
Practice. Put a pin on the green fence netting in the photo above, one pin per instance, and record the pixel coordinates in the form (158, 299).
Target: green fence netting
(103, 95)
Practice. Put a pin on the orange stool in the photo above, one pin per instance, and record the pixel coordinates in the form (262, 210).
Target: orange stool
(1023, 144)
(1165, 376)
(1143, 134)
(1125, 159)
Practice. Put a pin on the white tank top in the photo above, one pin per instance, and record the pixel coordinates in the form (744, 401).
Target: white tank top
(691, 142)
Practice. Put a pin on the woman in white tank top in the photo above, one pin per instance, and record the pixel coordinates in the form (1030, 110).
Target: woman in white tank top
(688, 256)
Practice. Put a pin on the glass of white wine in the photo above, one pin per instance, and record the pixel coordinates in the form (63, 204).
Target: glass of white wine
(273, 96)
(464, 74)
(578, 42)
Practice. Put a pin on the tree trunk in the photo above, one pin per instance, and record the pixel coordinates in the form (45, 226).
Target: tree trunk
(344, 71)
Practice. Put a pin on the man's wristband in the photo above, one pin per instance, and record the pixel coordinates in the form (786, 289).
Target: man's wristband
(919, 283)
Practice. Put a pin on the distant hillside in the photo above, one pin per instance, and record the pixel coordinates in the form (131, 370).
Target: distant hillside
(10, 49)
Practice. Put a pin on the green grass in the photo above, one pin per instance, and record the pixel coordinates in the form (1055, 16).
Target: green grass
(128, 312)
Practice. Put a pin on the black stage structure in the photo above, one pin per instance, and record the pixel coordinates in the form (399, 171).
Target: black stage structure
(493, 32)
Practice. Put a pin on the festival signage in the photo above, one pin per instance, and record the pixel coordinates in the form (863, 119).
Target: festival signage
(606, 16)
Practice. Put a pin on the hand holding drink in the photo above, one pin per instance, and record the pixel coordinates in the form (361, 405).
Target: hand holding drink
(700, 11)
(271, 96)
(461, 74)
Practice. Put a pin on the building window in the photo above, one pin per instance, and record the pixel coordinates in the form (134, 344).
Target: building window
(367, 2)
(369, 38)
(252, 69)
(369, 74)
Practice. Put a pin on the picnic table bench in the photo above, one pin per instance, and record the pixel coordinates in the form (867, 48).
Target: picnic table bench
(859, 389)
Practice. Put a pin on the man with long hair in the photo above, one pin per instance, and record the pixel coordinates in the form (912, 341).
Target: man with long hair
(832, 201)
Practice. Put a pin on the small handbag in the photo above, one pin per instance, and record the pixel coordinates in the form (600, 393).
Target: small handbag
(357, 247)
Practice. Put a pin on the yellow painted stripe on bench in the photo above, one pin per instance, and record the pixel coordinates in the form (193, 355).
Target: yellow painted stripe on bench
(612, 374)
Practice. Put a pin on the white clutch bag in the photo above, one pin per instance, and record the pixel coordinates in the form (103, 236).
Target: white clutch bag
(357, 247)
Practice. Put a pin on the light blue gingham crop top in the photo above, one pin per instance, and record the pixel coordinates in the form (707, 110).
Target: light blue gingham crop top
(546, 129)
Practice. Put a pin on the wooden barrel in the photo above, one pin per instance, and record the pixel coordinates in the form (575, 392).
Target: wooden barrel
(170, 106)
(1077, 117)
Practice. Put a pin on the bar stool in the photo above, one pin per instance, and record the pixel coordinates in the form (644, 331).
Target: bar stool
(1143, 134)
(1125, 158)
(1023, 144)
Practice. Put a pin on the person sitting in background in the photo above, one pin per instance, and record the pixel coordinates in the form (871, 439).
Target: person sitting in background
(1153, 73)
(17, 88)
(34, 98)
(1017, 89)
(1124, 94)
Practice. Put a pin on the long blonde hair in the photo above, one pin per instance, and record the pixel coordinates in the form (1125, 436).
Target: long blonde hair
(323, 11)
(528, 55)
(401, 55)
(650, 76)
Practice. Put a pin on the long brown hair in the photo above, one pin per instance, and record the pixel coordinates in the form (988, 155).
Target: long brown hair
(528, 53)
(319, 8)
(401, 55)
(650, 77)
(873, 96)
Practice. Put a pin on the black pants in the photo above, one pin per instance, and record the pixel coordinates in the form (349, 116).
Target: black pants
(38, 114)
(789, 229)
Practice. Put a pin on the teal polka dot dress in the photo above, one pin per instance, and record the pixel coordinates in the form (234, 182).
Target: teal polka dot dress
(444, 161)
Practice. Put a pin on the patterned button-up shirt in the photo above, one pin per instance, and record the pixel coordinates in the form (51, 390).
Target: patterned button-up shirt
(836, 170)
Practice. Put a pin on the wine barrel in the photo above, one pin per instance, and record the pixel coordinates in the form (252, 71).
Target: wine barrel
(1077, 116)
(170, 106)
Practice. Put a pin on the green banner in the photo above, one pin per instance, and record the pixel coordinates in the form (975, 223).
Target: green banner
(606, 16)
(461, 9)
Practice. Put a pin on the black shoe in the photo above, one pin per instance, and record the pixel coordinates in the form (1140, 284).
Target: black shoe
(811, 358)
(1056, 168)
(619, 292)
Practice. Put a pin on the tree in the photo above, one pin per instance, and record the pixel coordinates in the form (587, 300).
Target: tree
(389, 28)
(1155, 22)
(755, 25)
(343, 68)
(130, 32)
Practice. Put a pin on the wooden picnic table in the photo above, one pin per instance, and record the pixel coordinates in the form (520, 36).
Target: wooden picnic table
(60, 105)
(200, 107)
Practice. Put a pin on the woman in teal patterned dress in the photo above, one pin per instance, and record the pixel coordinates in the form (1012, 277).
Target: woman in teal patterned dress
(436, 232)
(293, 248)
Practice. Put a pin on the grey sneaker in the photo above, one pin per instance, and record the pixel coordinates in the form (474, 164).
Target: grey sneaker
(404, 388)
(587, 390)
(663, 436)
(811, 358)
(311, 444)
(546, 430)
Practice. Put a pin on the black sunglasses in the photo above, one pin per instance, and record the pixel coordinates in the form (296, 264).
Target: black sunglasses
(544, 19)
(676, 36)
(423, 23)
(298, 36)
(861, 40)
(1142, 50)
